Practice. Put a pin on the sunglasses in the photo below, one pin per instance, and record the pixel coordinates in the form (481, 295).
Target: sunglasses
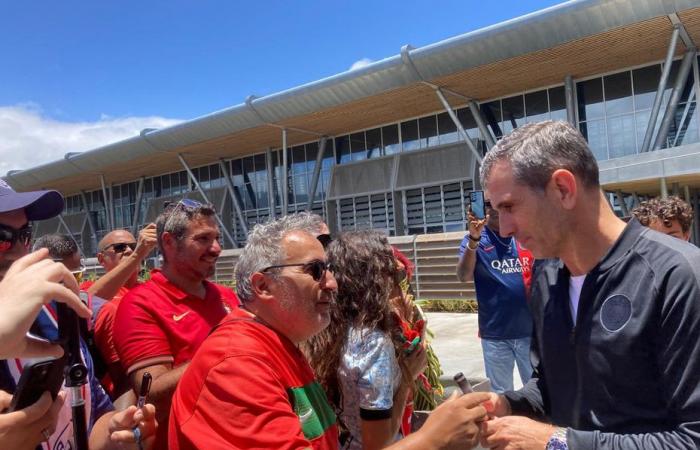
(325, 240)
(10, 236)
(315, 268)
(186, 204)
(120, 247)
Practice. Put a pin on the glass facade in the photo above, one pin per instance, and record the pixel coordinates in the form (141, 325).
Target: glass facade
(612, 112)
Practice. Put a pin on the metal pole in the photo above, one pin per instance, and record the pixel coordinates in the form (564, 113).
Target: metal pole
(111, 205)
(106, 203)
(660, 90)
(621, 201)
(317, 172)
(234, 199)
(224, 230)
(686, 193)
(93, 228)
(458, 124)
(270, 182)
(635, 199)
(569, 93)
(488, 137)
(137, 207)
(664, 188)
(675, 98)
(686, 110)
(285, 175)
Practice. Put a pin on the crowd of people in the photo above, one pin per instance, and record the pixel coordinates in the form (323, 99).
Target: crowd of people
(320, 347)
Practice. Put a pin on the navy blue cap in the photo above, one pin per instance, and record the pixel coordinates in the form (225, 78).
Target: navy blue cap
(37, 205)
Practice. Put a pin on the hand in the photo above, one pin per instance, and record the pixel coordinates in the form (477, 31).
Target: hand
(23, 429)
(147, 241)
(453, 424)
(515, 433)
(33, 281)
(475, 225)
(122, 424)
(417, 361)
(501, 406)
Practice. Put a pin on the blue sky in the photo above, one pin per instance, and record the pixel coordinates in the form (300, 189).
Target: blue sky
(98, 63)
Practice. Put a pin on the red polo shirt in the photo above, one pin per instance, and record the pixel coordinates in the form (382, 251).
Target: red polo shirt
(157, 323)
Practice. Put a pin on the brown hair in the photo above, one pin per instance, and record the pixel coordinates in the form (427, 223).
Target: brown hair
(666, 210)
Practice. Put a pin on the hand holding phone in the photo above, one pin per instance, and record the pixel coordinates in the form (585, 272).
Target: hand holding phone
(476, 204)
(37, 378)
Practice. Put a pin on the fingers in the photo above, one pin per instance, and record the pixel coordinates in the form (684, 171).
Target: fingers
(473, 399)
(26, 261)
(34, 348)
(123, 419)
(144, 418)
(28, 415)
(64, 295)
(5, 400)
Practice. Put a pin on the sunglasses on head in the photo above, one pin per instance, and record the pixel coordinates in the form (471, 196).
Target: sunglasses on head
(325, 240)
(186, 204)
(120, 247)
(315, 268)
(10, 236)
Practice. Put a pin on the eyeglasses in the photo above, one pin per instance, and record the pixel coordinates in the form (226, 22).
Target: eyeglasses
(186, 203)
(325, 240)
(316, 268)
(120, 247)
(10, 236)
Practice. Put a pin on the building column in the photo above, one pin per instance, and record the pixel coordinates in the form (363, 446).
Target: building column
(670, 112)
(664, 188)
(317, 172)
(570, 96)
(234, 199)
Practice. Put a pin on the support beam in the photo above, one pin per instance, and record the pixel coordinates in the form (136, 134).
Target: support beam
(570, 96)
(653, 116)
(317, 172)
(676, 189)
(670, 113)
(488, 137)
(107, 203)
(621, 201)
(232, 193)
(224, 230)
(686, 194)
(685, 37)
(137, 207)
(635, 200)
(270, 182)
(285, 175)
(91, 223)
(664, 188)
(684, 116)
(458, 124)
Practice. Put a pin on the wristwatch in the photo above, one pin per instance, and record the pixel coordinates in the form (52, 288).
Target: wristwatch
(558, 440)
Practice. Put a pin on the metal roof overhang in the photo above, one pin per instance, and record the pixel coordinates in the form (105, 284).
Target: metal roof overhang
(578, 38)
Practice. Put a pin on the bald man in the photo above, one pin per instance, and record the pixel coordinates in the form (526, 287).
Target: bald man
(121, 256)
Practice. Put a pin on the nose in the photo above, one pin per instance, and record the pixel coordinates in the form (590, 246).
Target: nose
(215, 247)
(128, 251)
(506, 226)
(329, 282)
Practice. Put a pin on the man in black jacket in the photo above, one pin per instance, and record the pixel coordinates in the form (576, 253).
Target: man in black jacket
(616, 344)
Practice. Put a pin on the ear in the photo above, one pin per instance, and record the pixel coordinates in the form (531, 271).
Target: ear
(100, 258)
(261, 286)
(563, 186)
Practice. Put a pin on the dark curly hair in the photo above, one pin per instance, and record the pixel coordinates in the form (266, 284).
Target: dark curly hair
(665, 210)
(364, 267)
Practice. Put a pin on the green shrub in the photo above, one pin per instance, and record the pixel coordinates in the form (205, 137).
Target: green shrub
(461, 306)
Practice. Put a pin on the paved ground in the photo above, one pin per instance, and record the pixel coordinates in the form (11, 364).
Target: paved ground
(458, 346)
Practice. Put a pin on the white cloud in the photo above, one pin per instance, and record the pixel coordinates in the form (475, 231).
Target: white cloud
(361, 63)
(28, 138)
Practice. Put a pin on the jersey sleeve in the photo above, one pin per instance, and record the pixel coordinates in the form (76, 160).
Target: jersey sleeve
(249, 406)
(376, 365)
(138, 338)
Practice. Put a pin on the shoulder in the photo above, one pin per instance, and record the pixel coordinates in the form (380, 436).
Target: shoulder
(664, 255)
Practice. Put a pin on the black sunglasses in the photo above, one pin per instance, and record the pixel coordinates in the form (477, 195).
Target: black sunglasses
(325, 240)
(315, 268)
(120, 247)
(10, 236)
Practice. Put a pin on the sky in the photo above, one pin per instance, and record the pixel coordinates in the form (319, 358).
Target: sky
(78, 75)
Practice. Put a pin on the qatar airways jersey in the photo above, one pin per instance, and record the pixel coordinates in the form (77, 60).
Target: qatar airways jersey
(502, 281)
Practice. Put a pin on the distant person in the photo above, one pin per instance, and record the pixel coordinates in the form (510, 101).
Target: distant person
(501, 269)
(671, 215)
(616, 310)
(160, 324)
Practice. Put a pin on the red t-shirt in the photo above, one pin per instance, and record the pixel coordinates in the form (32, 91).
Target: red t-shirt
(250, 388)
(103, 327)
(158, 323)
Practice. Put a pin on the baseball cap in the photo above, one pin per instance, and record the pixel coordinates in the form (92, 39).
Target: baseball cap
(38, 205)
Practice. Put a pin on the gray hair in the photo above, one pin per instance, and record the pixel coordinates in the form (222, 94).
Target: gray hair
(60, 246)
(536, 150)
(175, 220)
(264, 248)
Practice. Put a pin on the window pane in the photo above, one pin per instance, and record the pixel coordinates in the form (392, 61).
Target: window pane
(536, 106)
(409, 135)
(298, 160)
(433, 205)
(374, 142)
(427, 127)
(590, 99)
(358, 146)
(621, 135)
(513, 113)
(342, 149)
(447, 129)
(390, 139)
(492, 115)
(618, 93)
(557, 103)
(362, 213)
(311, 154)
(468, 123)
(646, 82)
(594, 132)
(414, 207)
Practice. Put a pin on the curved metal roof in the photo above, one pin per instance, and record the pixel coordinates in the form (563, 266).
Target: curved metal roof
(540, 30)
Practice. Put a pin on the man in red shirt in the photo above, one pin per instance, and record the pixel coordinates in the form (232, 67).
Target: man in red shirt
(249, 386)
(122, 258)
(160, 324)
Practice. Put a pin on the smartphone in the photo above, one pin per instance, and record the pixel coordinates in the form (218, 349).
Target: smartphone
(38, 377)
(463, 383)
(476, 204)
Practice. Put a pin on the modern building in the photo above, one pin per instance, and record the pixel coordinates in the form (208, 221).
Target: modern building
(395, 145)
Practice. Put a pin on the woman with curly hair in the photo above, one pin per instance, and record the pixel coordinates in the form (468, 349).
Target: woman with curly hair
(360, 360)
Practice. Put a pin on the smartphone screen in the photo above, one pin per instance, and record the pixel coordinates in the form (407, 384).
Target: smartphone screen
(476, 203)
